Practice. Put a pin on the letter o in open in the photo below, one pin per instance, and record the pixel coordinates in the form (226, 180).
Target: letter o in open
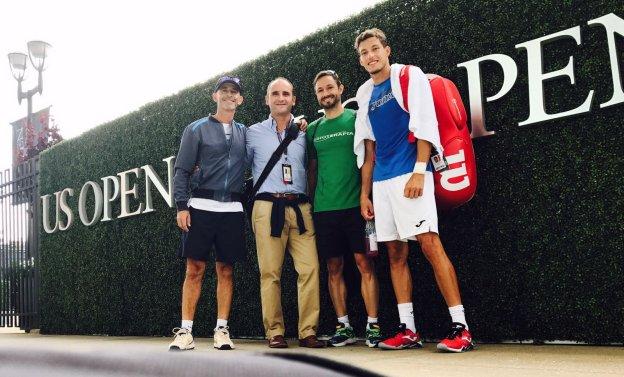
(82, 203)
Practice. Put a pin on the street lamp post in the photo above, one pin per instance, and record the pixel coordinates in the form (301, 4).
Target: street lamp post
(37, 51)
(25, 186)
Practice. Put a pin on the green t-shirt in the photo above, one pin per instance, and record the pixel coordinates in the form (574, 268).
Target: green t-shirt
(338, 178)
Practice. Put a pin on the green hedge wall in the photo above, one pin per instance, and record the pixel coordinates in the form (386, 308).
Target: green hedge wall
(538, 250)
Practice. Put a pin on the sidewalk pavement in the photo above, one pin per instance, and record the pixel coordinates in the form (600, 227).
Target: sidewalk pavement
(509, 360)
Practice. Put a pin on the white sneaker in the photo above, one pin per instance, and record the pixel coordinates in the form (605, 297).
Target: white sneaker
(182, 341)
(222, 339)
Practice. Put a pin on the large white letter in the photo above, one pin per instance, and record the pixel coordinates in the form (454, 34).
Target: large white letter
(65, 208)
(82, 203)
(510, 73)
(537, 113)
(45, 204)
(125, 191)
(108, 197)
(613, 24)
(152, 177)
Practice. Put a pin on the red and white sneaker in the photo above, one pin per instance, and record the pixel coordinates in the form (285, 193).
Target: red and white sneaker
(404, 338)
(458, 340)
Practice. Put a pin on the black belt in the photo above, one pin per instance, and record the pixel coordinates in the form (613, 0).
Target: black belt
(278, 216)
(213, 194)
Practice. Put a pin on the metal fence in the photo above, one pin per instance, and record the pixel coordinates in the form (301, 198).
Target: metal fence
(19, 246)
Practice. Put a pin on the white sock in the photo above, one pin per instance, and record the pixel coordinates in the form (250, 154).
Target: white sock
(372, 320)
(344, 320)
(186, 324)
(406, 315)
(221, 323)
(457, 314)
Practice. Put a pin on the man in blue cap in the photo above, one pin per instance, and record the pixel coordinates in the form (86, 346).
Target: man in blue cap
(212, 156)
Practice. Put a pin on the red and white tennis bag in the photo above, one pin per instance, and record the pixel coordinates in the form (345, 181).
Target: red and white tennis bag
(457, 184)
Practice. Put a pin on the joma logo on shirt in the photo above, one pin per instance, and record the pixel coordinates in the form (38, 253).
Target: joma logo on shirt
(382, 101)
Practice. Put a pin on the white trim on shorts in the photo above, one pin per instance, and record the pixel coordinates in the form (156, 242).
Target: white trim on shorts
(401, 218)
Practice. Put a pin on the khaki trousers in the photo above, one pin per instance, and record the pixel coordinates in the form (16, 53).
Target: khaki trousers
(271, 252)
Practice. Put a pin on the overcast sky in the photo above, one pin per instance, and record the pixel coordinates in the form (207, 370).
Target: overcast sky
(111, 57)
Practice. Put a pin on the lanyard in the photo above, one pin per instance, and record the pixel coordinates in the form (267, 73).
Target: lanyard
(280, 139)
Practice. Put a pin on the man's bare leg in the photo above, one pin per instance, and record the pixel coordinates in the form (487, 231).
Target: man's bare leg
(459, 339)
(192, 287)
(443, 270)
(225, 289)
(402, 282)
(399, 271)
(369, 285)
(337, 286)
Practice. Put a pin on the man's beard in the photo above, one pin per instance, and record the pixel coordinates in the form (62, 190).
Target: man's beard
(331, 104)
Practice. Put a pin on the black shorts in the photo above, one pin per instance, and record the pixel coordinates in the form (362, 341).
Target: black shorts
(339, 232)
(223, 230)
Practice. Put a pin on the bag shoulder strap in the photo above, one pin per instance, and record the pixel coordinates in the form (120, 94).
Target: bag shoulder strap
(290, 136)
(404, 82)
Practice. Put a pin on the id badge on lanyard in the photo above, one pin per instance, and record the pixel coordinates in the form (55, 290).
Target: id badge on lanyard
(287, 174)
(439, 161)
(287, 177)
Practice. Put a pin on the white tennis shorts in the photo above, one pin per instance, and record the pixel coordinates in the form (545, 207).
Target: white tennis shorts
(401, 218)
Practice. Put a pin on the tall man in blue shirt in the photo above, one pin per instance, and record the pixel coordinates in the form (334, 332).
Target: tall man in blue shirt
(282, 218)
(402, 183)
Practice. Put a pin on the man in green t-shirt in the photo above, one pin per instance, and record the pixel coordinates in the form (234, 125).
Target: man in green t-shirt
(334, 183)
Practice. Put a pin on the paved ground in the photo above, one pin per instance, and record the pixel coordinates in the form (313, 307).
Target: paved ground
(508, 360)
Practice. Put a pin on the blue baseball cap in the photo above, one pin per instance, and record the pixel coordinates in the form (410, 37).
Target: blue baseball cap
(229, 80)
